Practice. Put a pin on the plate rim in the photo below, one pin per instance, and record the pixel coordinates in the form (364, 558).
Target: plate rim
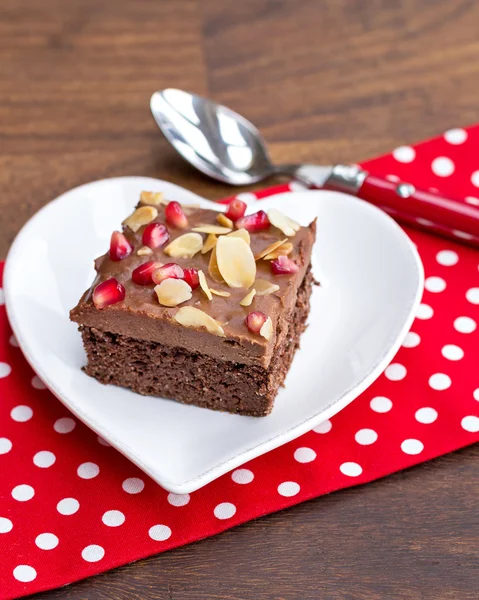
(262, 447)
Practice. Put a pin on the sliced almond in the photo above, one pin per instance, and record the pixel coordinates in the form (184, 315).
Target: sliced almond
(269, 249)
(235, 262)
(155, 198)
(185, 246)
(267, 329)
(264, 288)
(172, 292)
(213, 267)
(144, 251)
(220, 293)
(189, 316)
(248, 298)
(141, 216)
(209, 244)
(216, 229)
(189, 209)
(283, 250)
(241, 233)
(283, 222)
(204, 285)
(223, 220)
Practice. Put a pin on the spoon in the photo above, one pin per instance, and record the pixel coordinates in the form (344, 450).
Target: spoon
(227, 147)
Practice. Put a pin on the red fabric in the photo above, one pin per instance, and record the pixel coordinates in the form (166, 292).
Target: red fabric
(379, 433)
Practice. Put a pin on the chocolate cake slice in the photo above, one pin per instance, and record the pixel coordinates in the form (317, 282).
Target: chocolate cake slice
(202, 307)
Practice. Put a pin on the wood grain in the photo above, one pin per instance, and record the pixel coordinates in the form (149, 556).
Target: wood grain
(336, 80)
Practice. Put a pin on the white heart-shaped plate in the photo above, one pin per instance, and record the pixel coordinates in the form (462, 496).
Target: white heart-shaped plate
(371, 282)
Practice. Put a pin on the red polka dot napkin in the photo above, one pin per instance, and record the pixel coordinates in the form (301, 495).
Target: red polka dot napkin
(71, 506)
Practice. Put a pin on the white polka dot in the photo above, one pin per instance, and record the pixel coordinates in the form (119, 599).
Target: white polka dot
(159, 533)
(365, 437)
(21, 413)
(296, 186)
(470, 423)
(44, 459)
(404, 154)
(102, 441)
(5, 445)
(475, 394)
(464, 325)
(393, 178)
(88, 470)
(439, 381)
(38, 384)
(425, 222)
(323, 427)
(447, 258)
(23, 492)
(411, 340)
(288, 488)
(472, 200)
(247, 197)
(178, 499)
(475, 178)
(395, 372)
(304, 455)
(5, 370)
(68, 506)
(24, 573)
(46, 541)
(381, 404)
(351, 469)
(5, 525)
(2, 297)
(426, 415)
(462, 234)
(64, 425)
(442, 166)
(224, 511)
(412, 446)
(435, 284)
(242, 476)
(92, 553)
(472, 295)
(133, 485)
(424, 311)
(113, 518)
(455, 136)
(13, 341)
(452, 352)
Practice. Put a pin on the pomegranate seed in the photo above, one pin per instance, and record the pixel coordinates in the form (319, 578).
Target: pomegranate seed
(168, 271)
(120, 247)
(236, 209)
(155, 235)
(142, 274)
(191, 277)
(175, 216)
(108, 292)
(255, 222)
(284, 266)
(255, 320)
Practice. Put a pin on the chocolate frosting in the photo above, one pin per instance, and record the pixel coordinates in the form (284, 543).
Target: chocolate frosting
(140, 315)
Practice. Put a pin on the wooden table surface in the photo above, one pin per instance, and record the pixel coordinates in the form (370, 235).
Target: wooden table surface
(337, 80)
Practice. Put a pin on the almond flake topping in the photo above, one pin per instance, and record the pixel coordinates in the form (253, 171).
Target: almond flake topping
(144, 251)
(264, 288)
(282, 222)
(172, 292)
(213, 268)
(204, 285)
(267, 329)
(155, 198)
(216, 229)
(223, 220)
(185, 246)
(269, 249)
(243, 234)
(283, 250)
(189, 316)
(141, 216)
(236, 262)
(209, 244)
(248, 298)
(220, 293)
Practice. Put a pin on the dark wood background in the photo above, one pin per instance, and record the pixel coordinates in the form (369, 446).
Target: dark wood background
(337, 80)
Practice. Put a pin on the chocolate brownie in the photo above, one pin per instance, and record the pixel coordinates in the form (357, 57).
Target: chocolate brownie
(202, 307)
